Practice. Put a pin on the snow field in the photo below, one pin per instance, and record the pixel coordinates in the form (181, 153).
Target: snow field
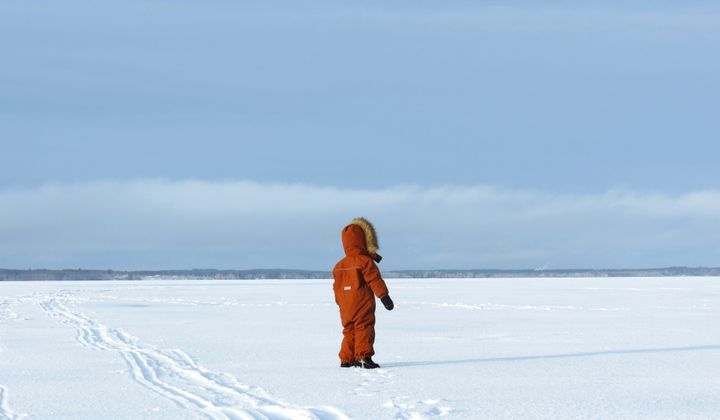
(453, 348)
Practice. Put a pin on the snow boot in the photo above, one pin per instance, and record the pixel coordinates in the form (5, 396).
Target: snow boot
(354, 363)
(367, 363)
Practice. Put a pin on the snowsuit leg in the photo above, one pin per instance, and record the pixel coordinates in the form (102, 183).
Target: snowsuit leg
(365, 332)
(358, 318)
(347, 349)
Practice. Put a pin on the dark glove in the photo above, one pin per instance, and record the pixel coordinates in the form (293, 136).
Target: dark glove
(389, 305)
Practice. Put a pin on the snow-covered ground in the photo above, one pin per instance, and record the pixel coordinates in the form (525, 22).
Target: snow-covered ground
(477, 349)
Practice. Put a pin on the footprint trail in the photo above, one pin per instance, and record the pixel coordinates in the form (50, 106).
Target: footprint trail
(376, 382)
(175, 375)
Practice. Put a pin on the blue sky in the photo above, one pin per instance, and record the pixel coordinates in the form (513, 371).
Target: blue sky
(391, 111)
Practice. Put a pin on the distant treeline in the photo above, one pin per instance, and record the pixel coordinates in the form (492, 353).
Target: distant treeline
(203, 274)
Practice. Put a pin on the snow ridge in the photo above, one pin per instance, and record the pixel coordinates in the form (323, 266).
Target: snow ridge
(6, 413)
(175, 375)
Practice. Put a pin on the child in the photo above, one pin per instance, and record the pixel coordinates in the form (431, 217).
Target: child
(357, 282)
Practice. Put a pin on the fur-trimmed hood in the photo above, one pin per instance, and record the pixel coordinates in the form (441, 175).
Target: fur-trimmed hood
(359, 237)
(371, 241)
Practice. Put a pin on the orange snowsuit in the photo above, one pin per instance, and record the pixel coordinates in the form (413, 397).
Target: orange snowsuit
(357, 282)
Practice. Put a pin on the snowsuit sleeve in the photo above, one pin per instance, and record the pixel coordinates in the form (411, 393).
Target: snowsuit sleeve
(371, 274)
(335, 281)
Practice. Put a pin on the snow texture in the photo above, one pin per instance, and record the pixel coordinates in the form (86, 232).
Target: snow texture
(641, 348)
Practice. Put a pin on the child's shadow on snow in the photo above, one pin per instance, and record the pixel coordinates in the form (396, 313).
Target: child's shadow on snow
(551, 356)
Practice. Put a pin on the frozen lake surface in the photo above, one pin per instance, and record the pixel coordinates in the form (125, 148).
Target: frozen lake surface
(473, 348)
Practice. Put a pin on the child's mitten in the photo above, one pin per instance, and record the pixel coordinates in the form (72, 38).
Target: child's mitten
(389, 305)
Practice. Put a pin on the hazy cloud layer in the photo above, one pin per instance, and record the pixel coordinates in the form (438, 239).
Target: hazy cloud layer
(245, 224)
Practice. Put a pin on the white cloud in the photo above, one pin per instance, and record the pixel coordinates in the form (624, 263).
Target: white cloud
(244, 224)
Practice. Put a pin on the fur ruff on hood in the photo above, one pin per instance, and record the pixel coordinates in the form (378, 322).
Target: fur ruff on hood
(371, 240)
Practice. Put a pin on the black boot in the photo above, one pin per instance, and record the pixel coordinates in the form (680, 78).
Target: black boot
(354, 363)
(367, 363)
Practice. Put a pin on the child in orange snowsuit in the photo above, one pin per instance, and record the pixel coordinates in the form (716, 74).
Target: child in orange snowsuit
(357, 282)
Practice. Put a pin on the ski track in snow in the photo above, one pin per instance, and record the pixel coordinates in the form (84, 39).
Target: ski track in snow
(175, 375)
(374, 383)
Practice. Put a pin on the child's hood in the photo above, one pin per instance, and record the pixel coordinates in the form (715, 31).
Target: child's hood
(359, 237)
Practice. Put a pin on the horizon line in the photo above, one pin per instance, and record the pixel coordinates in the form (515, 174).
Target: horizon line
(383, 270)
